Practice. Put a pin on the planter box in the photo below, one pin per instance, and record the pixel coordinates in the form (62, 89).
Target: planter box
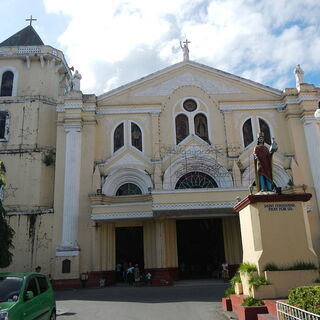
(238, 288)
(226, 304)
(266, 291)
(245, 282)
(250, 313)
(284, 281)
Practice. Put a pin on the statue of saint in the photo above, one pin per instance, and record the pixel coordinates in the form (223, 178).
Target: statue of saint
(75, 81)
(185, 49)
(263, 164)
(299, 74)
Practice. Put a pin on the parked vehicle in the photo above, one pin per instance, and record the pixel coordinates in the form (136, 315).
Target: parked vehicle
(26, 296)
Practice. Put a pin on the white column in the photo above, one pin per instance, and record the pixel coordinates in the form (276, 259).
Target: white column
(71, 188)
(312, 132)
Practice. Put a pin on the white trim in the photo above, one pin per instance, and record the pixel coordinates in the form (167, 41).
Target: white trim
(15, 72)
(235, 107)
(115, 205)
(126, 175)
(204, 190)
(194, 206)
(180, 65)
(129, 110)
(72, 253)
(122, 216)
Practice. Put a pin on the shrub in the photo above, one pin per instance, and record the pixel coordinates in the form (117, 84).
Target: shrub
(299, 265)
(250, 301)
(306, 298)
(271, 267)
(246, 267)
(258, 281)
(229, 291)
(235, 279)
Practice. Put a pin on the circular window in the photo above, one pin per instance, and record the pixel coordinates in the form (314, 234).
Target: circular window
(189, 105)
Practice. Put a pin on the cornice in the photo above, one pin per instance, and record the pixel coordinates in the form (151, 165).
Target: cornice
(194, 206)
(129, 110)
(122, 216)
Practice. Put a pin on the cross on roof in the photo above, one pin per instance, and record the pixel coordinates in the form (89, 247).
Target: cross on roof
(186, 42)
(31, 19)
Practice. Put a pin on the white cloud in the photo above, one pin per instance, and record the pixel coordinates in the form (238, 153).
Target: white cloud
(262, 40)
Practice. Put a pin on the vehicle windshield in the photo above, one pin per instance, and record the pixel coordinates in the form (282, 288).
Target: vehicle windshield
(10, 288)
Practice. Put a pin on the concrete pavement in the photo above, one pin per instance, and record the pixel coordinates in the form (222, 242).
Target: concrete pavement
(194, 300)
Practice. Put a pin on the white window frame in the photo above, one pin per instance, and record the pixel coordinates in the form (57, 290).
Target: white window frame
(6, 129)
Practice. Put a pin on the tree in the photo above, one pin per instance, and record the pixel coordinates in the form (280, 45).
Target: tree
(6, 232)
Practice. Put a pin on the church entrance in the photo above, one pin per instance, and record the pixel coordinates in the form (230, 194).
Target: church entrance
(200, 248)
(129, 249)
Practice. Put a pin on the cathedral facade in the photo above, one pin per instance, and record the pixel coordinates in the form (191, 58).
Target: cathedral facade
(147, 173)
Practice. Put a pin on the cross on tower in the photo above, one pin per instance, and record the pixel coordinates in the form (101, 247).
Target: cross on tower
(31, 19)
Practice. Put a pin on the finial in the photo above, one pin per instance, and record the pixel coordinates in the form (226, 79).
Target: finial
(31, 19)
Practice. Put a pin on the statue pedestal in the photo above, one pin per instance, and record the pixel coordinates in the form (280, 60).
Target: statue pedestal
(275, 230)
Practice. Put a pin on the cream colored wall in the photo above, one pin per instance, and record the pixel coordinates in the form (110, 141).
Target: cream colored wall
(33, 241)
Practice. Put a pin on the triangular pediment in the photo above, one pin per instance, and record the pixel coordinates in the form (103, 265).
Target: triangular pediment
(209, 85)
(188, 73)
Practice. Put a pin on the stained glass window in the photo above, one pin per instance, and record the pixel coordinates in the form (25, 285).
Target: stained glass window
(247, 132)
(266, 130)
(136, 136)
(118, 137)
(128, 189)
(7, 84)
(201, 127)
(189, 105)
(196, 180)
(182, 127)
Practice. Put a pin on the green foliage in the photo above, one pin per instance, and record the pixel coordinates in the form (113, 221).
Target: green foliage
(6, 232)
(246, 267)
(229, 291)
(271, 267)
(306, 298)
(235, 279)
(317, 280)
(299, 265)
(258, 281)
(250, 301)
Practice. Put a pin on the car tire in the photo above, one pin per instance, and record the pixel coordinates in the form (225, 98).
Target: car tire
(53, 315)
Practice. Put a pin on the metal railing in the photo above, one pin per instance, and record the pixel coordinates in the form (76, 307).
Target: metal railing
(288, 312)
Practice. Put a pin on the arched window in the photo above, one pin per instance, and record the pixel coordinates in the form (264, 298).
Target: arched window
(201, 127)
(118, 137)
(266, 130)
(136, 136)
(128, 189)
(182, 127)
(66, 266)
(247, 132)
(196, 180)
(7, 84)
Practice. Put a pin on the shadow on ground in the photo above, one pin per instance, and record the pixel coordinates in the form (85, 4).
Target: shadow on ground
(211, 291)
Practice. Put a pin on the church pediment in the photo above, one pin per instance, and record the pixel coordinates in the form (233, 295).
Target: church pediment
(165, 82)
(210, 86)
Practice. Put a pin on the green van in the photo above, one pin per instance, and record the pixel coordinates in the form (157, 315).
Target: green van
(26, 296)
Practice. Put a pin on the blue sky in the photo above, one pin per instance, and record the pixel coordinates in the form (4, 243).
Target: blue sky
(113, 42)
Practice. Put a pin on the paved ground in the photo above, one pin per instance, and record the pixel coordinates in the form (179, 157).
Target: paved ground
(187, 300)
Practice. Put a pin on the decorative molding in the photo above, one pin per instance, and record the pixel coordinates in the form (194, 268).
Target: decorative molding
(73, 105)
(72, 127)
(65, 253)
(89, 108)
(194, 206)
(129, 110)
(233, 107)
(13, 212)
(308, 119)
(209, 85)
(122, 216)
(27, 50)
